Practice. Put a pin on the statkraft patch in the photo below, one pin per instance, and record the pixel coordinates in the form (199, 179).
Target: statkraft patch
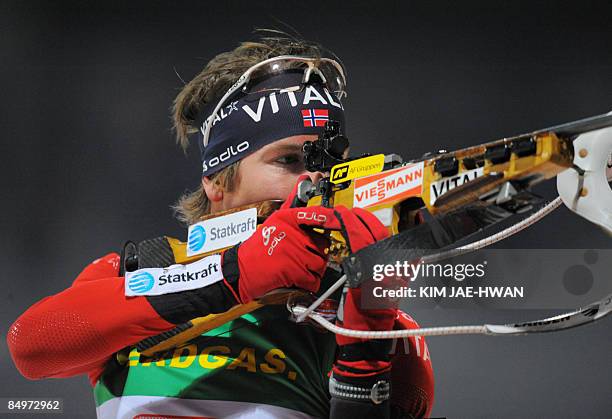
(356, 168)
(399, 183)
(220, 232)
(175, 278)
(444, 185)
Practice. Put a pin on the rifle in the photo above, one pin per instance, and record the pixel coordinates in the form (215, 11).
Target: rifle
(459, 193)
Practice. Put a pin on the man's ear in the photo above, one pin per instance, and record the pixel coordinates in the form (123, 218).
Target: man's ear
(213, 190)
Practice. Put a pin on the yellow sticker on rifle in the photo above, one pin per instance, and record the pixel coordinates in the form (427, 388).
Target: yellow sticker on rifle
(357, 168)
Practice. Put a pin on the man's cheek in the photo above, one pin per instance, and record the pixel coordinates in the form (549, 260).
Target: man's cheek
(271, 188)
(278, 186)
(281, 192)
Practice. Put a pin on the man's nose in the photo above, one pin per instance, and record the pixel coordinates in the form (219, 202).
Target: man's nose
(314, 176)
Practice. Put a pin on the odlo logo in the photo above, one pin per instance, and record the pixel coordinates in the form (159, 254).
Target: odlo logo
(266, 234)
(228, 153)
(141, 282)
(197, 238)
(320, 218)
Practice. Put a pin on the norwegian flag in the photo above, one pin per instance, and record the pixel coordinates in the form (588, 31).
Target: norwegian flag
(315, 117)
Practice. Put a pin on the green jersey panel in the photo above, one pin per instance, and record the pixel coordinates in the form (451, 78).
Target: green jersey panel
(260, 358)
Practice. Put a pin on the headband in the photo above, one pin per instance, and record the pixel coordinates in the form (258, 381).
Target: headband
(247, 122)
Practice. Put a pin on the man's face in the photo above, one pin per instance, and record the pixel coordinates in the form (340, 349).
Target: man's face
(267, 174)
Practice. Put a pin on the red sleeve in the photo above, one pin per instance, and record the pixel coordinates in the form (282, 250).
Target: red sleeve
(412, 377)
(74, 332)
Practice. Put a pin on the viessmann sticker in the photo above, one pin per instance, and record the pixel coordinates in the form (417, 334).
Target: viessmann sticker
(400, 183)
(217, 233)
(357, 168)
(175, 278)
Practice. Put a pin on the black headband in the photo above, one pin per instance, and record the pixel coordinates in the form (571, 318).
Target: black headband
(247, 122)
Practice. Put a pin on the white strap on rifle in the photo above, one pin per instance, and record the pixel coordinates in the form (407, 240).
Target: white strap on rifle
(575, 318)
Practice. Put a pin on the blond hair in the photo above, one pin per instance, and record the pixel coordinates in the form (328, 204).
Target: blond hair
(209, 86)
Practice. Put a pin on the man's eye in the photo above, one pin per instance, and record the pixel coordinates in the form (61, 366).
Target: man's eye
(289, 159)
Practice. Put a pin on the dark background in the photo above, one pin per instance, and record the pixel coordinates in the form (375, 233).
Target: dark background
(88, 158)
